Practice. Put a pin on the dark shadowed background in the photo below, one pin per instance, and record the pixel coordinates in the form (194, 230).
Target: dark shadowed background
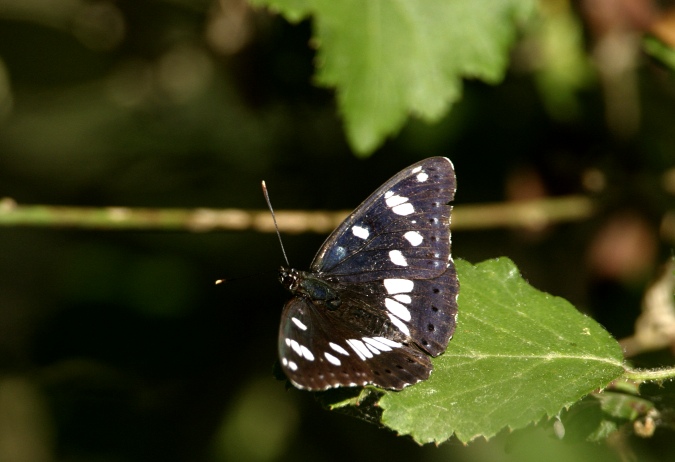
(116, 346)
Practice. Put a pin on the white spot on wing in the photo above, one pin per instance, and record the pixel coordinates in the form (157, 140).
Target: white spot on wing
(358, 352)
(397, 258)
(372, 348)
(284, 361)
(332, 359)
(388, 194)
(338, 348)
(399, 324)
(298, 323)
(403, 209)
(360, 231)
(296, 347)
(306, 353)
(403, 298)
(397, 286)
(292, 366)
(300, 350)
(359, 348)
(375, 343)
(417, 169)
(414, 238)
(397, 309)
(422, 177)
(388, 342)
(395, 200)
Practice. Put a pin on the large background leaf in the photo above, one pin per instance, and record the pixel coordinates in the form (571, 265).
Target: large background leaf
(518, 355)
(388, 58)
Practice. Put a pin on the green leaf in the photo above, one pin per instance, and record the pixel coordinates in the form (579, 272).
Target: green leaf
(585, 421)
(623, 406)
(518, 355)
(598, 415)
(660, 51)
(389, 58)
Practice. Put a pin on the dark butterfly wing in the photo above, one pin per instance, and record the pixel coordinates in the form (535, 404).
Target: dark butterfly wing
(402, 229)
(318, 351)
(400, 236)
(392, 287)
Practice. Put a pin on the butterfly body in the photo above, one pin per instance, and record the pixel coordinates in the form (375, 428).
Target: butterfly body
(380, 296)
(312, 287)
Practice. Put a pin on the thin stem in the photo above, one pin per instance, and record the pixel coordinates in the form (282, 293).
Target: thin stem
(530, 214)
(534, 214)
(164, 219)
(648, 375)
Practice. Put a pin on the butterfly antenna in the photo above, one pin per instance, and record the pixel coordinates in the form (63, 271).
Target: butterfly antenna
(274, 218)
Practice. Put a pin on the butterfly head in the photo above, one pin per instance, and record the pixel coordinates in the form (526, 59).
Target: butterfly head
(289, 278)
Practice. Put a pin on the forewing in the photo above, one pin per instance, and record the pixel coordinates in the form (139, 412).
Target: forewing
(401, 230)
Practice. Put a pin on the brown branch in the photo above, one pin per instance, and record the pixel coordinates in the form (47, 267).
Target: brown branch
(536, 213)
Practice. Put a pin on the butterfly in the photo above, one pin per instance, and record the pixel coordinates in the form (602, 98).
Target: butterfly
(381, 294)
